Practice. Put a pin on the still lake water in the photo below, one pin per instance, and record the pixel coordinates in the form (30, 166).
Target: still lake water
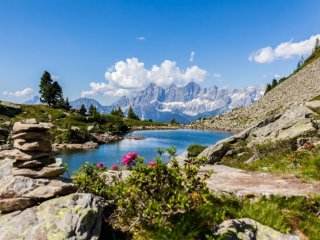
(112, 153)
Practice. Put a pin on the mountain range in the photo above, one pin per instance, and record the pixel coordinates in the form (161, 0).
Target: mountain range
(185, 104)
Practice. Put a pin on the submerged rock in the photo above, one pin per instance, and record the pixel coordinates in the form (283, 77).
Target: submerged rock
(76, 216)
(75, 146)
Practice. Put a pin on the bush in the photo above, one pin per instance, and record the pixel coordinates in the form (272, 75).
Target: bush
(195, 149)
(151, 196)
(74, 136)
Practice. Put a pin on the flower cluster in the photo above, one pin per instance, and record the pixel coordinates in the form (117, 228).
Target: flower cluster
(100, 165)
(115, 167)
(308, 146)
(151, 163)
(304, 152)
(129, 158)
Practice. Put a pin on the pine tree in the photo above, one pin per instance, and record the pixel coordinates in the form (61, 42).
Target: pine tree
(301, 62)
(174, 121)
(93, 111)
(120, 113)
(46, 88)
(268, 88)
(83, 110)
(132, 115)
(117, 112)
(67, 105)
(274, 83)
(51, 91)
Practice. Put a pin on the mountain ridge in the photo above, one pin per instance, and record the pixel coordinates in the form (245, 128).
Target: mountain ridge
(185, 104)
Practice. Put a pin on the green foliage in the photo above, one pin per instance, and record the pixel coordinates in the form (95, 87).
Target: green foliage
(171, 202)
(151, 196)
(74, 136)
(284, 214)
(281, 157)
(92, 179)
(131, 114)
(51, 91)
(174, 121)
(271, 86)
(66, 104)
(268, 88)
(117, 112)
(195, 149)
(93, 111)
(82, 110)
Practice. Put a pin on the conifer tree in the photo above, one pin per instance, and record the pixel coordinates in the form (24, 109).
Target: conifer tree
(132, 115)
(83, 110)
(268, 88)
(51, 91)
(93, 111)
(67, 105)
(274, 83)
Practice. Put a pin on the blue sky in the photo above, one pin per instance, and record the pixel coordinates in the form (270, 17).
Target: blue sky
(79, 41)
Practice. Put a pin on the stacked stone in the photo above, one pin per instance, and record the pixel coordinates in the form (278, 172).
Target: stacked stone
(34, 166)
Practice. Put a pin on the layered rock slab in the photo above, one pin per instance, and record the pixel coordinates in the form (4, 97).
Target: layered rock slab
(34, 175)
(241, 183)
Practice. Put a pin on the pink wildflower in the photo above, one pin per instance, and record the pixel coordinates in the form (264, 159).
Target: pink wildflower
(151, 163)
(128, 159)
(100, 165)
(133, 155)
(306, 145)
(115, 167)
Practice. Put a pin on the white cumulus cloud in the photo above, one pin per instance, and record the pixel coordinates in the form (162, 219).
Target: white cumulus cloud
(192, 56)
(20, 93)
(284, 50)
(130, 76)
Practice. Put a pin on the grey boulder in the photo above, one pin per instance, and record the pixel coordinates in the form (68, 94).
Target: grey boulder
(76, 216)
(247, 229)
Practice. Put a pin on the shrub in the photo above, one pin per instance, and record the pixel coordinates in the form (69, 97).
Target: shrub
(151, 196)
(74, 136)
(195, 149)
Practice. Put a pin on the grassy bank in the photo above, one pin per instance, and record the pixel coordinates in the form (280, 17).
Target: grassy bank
(72, 127)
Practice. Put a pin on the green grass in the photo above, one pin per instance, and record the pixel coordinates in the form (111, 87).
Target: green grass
(286, 215)
(195, 149)
(63, 120)
(280, 157)
(317, 98)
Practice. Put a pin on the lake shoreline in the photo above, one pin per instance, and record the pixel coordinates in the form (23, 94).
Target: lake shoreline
(145, 143)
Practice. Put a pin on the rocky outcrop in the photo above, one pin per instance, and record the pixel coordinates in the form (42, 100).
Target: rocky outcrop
(33, 174)
(76, 216)
(298, 121)
(9, 109)
(246, 229)
(299, 88)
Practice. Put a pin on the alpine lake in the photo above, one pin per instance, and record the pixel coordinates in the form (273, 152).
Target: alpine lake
(146, 146)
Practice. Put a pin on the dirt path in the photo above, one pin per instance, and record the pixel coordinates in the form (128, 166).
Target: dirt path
(243, 183)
